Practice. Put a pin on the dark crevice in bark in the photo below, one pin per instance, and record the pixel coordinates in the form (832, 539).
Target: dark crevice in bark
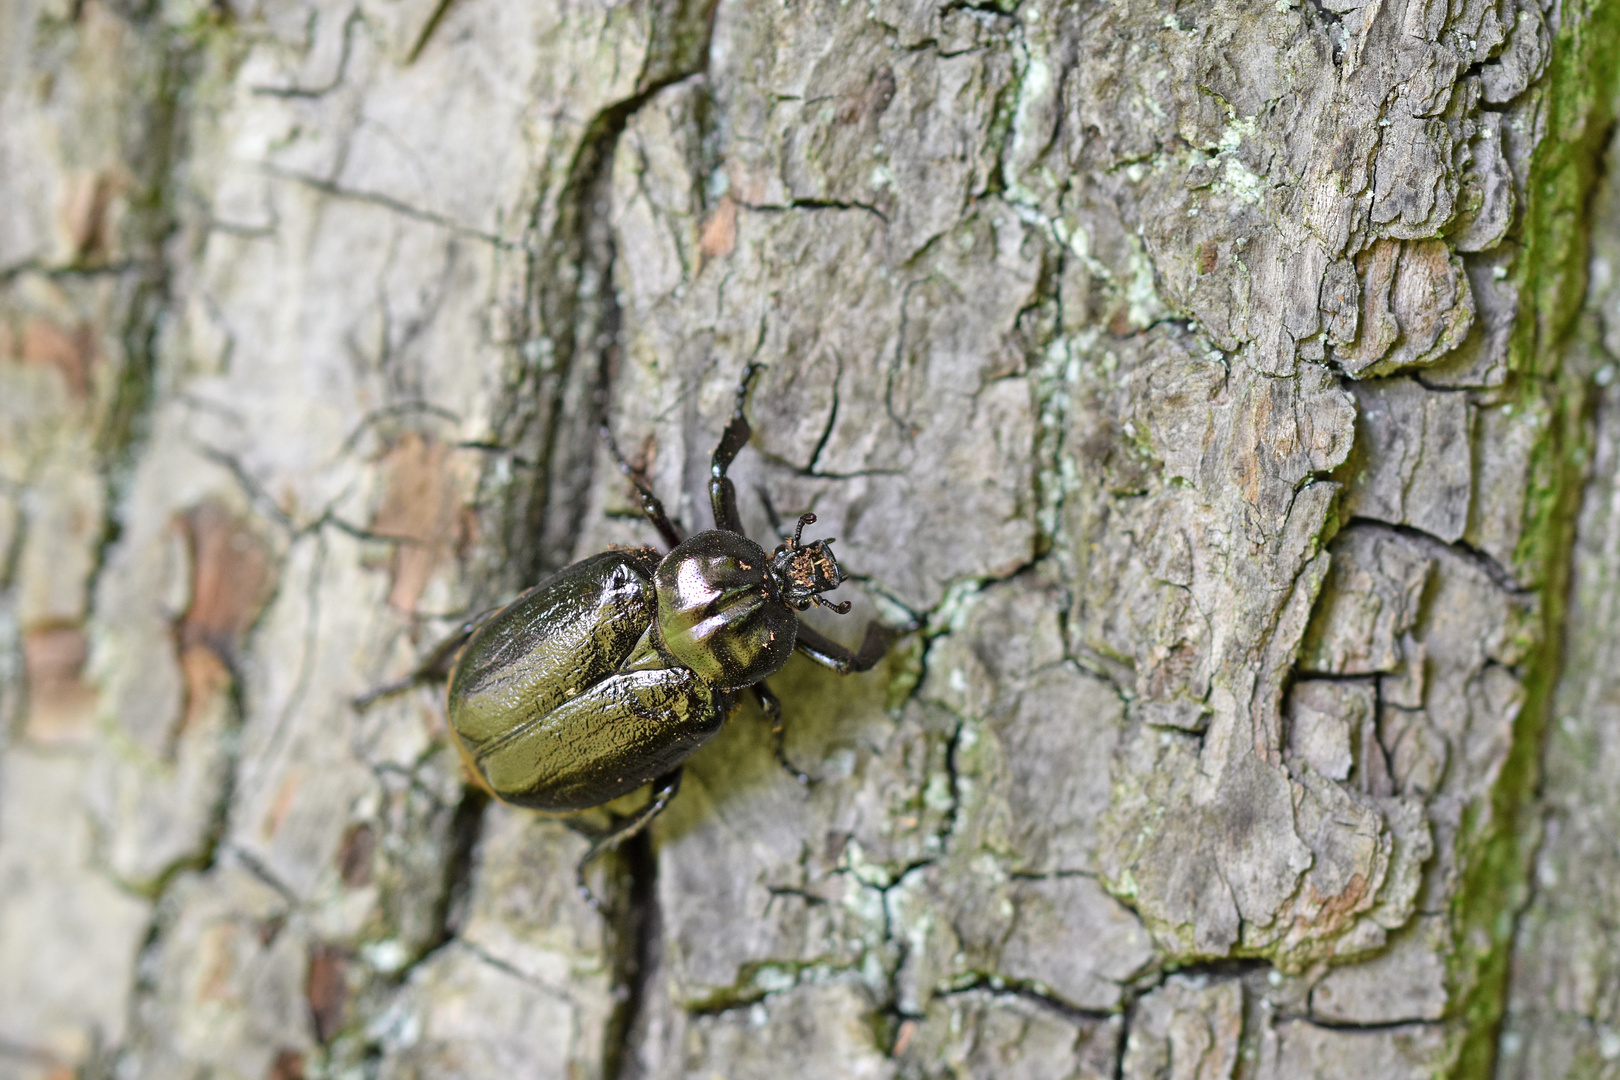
(1002, 986)
(555, 403)
(163, 63)
(1489, 566)
(1127, 1017)
(556, 400)
(1215, 969)
(156, 147)
(354, 19)
(637, 932)
(466, 828)
(440, 10)
(386, 202)
(1351, 1025)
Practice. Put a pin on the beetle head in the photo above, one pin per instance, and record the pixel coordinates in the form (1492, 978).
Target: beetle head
(804, 571)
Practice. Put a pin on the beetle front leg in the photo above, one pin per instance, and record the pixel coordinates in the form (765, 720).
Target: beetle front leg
(828, 653)
(664, 789)
(722, 492)
(771, 706)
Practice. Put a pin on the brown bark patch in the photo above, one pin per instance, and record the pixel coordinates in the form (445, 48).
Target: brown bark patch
(718, 237)
(231, 581)
(61, 706)
(1416, 306)
(327, 989)
(86, 214)
(286, 794)
(71, 351)
(354, 855)
(422, 509)
(289, 1065)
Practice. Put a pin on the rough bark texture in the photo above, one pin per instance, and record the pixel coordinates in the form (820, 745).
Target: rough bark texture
(1209, 381)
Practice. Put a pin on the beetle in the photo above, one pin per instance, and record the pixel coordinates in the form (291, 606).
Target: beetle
(611, 673)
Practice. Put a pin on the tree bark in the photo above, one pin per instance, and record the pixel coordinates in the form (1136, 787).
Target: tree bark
(1217, 387)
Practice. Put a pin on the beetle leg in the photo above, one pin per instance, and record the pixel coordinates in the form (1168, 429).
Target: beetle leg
(650, 504)
(722, 492)
(829, 653)
(435, 666)
(664, 789)
(771, 705)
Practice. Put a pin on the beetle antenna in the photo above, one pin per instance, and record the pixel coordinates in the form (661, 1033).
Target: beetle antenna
(842, 609)
(798, 531)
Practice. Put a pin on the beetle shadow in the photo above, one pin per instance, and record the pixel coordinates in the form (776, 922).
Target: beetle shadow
(831, 724)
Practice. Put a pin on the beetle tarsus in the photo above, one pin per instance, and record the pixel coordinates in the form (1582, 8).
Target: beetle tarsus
(364, 701)
(664, 789)
(435, 667)
(722, 492)
(651, 506)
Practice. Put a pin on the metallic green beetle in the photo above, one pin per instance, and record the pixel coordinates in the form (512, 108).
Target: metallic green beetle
(612, 672)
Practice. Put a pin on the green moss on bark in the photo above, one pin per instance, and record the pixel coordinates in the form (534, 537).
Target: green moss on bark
(1497, 837)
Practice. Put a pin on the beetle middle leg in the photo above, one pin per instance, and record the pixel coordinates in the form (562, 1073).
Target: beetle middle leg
(650, 503)
(664, 789)
(771, 705)
(435, 666)
(722, 492)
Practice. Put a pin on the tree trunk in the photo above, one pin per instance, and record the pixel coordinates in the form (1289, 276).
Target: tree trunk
(1211, 384)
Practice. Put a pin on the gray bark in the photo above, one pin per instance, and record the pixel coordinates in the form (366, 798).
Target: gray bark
(1211, 383)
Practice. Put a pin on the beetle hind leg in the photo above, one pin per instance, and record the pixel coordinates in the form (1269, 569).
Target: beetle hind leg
(771, 705)
(664, 789)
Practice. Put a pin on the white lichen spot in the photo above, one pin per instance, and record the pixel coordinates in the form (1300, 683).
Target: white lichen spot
(867, 873)
(1141, 296)
(1036, 82)
(1236, 179)
(773, 980)
(958, 601)
(397, 1028)
(387, 956)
